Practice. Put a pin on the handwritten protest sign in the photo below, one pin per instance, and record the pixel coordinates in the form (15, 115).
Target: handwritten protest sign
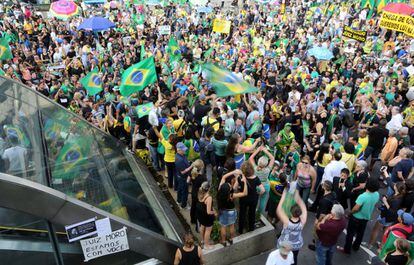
(99, 246)
(358, 35)
(221, 26)
(397, 22)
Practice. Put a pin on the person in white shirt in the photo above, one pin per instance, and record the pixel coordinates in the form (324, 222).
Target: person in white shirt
(333, 169)
(281, 256)
(15, 158)
(396, 119)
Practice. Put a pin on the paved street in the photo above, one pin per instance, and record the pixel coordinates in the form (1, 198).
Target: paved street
(307, 257)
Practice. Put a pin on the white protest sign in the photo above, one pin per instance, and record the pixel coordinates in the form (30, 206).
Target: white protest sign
(164, 30)
(96, 247)
(103, 226)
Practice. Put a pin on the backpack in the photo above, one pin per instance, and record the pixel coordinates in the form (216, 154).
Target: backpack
(206, 149)
(408, 235)
(208, 126)
(348, 119)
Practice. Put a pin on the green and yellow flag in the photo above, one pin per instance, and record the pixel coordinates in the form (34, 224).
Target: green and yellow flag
(5, 51)
(174, 50)
(72, 157)
(92, 82)
(16, 131)
(144, 109)
(389, 247)
(138, 76)
(225, 82)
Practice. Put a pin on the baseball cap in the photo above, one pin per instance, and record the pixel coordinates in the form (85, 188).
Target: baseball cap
(181, 146)
(406, 218)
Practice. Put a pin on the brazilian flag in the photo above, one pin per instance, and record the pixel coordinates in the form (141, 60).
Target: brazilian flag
(5, 51)
(174, 50)
(144, 109)
(138, 76)
(389, 247)
(12, 130)
(72, 157)
(92, 82)
(225, 82)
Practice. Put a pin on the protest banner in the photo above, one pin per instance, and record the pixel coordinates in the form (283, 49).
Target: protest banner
(164, 30)
(99, 246)
(221, 26)
(397, 22)
(359, 35)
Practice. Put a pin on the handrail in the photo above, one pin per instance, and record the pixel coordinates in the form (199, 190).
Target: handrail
(64, 210)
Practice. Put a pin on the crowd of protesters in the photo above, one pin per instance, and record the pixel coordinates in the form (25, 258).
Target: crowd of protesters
(315, 126)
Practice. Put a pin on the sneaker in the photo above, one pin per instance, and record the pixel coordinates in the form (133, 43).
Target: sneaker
(341, 249)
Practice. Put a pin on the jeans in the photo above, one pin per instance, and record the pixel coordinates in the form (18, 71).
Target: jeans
(154, 158)
(345, 133)
(324, 254)
(304, 193)
(319, 173)
(209, 172)
(171, 175)
(261, 207)
(182, 193)
(355, 227)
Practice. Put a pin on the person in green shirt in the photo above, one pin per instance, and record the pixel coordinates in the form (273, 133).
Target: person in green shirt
(220, 145)
(284, 140)
(360, 215)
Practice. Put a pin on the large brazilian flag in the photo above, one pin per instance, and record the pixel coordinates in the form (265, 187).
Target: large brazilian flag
(92, 82)
(138, 76)
(72, 157)
(226, 83)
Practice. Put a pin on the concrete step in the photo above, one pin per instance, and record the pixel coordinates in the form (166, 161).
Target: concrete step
(255, 260)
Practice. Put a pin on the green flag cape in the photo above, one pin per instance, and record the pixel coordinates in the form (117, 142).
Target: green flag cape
(138, 76)
(5, 51)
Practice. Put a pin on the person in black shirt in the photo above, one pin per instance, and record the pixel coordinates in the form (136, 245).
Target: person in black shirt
(201, 108)
(248, 204)
(342, 187)
(408, 201)
(327, 201)
(377, 136)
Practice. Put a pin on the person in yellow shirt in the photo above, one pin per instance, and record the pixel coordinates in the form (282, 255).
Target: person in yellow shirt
(28, 27)
(363, 139)
(179, 125)
(212, 120)
(349, 156)
(169, 156)
(322, 158)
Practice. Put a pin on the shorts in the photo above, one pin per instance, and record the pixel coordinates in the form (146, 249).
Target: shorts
(227, 217)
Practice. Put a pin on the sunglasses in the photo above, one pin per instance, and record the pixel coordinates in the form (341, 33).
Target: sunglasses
(306, 162)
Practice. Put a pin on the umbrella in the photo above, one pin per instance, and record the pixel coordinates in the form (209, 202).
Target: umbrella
(199, 2)
(320, 53)
(96, 24)
(399, 8)
(64, 9)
